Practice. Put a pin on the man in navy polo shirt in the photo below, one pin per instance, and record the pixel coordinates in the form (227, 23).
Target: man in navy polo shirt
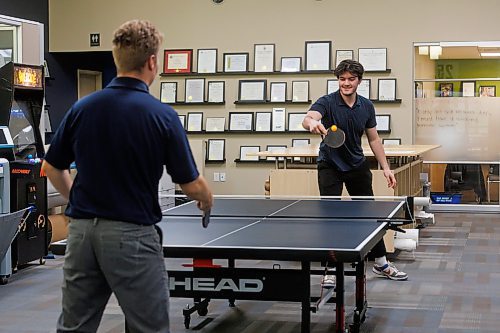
(347, 165)
(120, 139)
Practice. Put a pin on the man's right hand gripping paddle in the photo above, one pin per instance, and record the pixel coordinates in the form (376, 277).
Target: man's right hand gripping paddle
(335, 137)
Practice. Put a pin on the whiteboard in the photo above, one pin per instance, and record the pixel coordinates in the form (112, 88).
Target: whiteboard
(467, 128)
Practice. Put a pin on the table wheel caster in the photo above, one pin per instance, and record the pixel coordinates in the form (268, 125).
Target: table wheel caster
(203, 311)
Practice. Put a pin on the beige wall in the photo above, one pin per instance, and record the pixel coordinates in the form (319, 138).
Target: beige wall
(236, 25)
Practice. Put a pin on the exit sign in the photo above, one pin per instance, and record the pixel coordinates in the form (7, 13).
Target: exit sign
(95, 39)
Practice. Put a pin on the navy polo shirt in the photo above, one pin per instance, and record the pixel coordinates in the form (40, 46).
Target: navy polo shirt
(353, 121)
(121, 138)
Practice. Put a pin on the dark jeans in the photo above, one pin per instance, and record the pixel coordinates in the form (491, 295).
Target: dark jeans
(105, 256)
(358, 182)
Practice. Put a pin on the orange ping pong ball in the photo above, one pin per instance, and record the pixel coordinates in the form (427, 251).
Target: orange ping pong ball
(333, 128)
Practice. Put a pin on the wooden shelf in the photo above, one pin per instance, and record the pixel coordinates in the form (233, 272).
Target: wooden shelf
(196, 103)
(250, 73)
(271, 102)
(396, 101)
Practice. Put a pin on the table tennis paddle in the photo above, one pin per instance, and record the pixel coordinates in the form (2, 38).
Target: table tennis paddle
(335, 137)
(205, 219)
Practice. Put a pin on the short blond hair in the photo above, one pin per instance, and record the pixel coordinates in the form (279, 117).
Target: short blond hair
(133, 43)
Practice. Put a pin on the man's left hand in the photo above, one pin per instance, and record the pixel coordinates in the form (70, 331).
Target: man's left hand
(391, 180)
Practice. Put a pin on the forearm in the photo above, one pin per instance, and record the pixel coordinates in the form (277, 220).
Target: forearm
(198, 190)
(61, 179)
(379, 153)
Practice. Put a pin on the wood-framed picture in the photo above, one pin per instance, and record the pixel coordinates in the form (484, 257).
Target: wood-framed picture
(278, 92)
(216, 91)
(245, 152)
(263, 121)
(168, 92)
(341, 55)
(195, 91)
(216, 150)
(446, 89)
(235, 62)
(177, 61)
(373, 59)
(264, 60)
(386, 89)
(252, 90)
(215, 124)
(391, 142)
(487, 91)
(240, 121)
(468, 88)
(383, 123)
(207, 61)
(318, 55)
(295, 121)
(332, 86)
(194, 121)
(291, 64)
(300, 91)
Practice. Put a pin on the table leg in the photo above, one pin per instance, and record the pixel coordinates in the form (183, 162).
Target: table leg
(339, 296)
(306, 298)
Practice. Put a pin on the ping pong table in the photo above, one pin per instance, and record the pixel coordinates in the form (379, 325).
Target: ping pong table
(329, 231)
(305, 231)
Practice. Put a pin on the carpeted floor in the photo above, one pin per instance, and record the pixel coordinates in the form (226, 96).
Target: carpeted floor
(453, 288)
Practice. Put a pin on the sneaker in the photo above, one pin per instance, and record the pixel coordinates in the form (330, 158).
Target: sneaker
(390, 271)
(328, 281)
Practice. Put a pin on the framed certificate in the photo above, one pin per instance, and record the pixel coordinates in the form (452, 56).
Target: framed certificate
(245, 150)
(318, 56)
(264, 58)
(295, 122)
(194, 121)
(168, 92)
(300, 91)
(446, 90)
(391, 142)
(235, 62)
(215, 124)
(373, 59)
(216, 91)
(182, 119)
(177, 61)
(252, 90)
(300, 142)
(291, 64)
(487, 91)
(364, 88)
(468, 88)
(275, 149)
(263, 121)
(341, 55)
(240, 121)
(278, 92)
(216, 150)
(386, 89)
(195, 91)
(383, 123)
(278, 120)
(207, 61)
(332, 86)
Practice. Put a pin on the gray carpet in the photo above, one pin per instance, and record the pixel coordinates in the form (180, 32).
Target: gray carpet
(453, 288)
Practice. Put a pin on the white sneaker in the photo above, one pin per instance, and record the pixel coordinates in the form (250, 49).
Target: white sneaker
(328, 281)
(389, 271)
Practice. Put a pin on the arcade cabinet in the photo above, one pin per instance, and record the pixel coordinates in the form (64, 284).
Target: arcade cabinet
(21, 106)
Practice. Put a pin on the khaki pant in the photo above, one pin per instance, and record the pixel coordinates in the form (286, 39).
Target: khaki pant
(105, 256)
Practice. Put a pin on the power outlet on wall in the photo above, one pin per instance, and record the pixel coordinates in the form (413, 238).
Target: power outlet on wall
(216, 176)
(222, 176)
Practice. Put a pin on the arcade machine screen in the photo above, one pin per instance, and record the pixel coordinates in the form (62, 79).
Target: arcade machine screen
(21, 130)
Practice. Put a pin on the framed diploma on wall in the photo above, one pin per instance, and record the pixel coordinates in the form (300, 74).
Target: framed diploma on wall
(168, 92)
(263, 121)
(291, 64)
(373, 59)
(252, 90)
(235, 62)
(240, 121)
(194, 121)
(207, 61)
(246, 150)
(318, 55)
(195, 91)
(216, 91)
(278, 92)
(383, 123)
(386, 89)
(216, 150)
(264, 58)
(177, 61)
